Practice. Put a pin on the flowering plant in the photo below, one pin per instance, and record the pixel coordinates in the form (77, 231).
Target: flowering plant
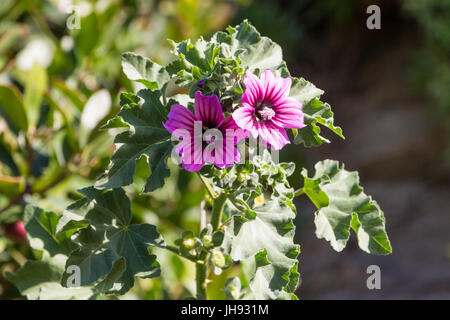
(223, 109)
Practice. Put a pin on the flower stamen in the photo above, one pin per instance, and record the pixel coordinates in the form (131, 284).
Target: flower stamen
(265, 113)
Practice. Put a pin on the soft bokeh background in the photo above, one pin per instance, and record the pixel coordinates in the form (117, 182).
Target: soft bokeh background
(389, 90)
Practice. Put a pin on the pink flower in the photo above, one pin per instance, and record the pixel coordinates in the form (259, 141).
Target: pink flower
(266, 110)
(207, 136)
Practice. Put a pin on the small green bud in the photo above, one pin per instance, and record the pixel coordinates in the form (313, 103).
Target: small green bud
(188, 243)
(207, 241)
(218, 259)
(243, 177)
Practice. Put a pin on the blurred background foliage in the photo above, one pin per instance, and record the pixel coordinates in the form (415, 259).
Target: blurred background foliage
(58, 85)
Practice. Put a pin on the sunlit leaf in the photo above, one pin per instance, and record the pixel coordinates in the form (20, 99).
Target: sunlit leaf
(342, 204)
(257, 53)
(144, 70)
(11, 186)
(316, 112)
(35, 87)
(265, 244)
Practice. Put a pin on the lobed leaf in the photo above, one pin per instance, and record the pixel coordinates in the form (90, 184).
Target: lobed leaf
(316, 112)
(265, 245)
(40, 279)
(144, 70)
(342, 205)
(41, 233)
(108, 237)
(146, 136)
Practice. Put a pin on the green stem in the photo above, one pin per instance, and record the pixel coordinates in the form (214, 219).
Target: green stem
(216, 217)
(201, 272)
(177, 252)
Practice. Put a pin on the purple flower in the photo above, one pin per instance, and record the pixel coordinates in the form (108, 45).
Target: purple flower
(207, 136)
(266, 110)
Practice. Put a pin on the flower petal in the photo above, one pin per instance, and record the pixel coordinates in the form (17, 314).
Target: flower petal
(275, 88)
(179, 117)
(192, 158)
(193, 167)
(288, 114)
(230, 124)
(276, 137)
(254, 89)
(244, 117)
(208, 110)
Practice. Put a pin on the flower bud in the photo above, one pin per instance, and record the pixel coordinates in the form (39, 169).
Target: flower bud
(218, 259)
(243, 177)
(207, 241)
(188, 243)
(16, 231)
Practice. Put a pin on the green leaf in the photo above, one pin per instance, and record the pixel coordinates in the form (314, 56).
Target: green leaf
(39, 280)
(144, 70)
(316, 112)
(35, 87)
(12, 109)
(342, 205)
(11, 186)
(55, 291)
(109, 283)
(7, 159)
(68, 118)
(77, 99)
(127, 100)
(108, 237)
(265, 245)
(41, 232)
(147, 137)
(88, 35)
(304, 91)
(194, 60)
(255, 52)
(11, 36)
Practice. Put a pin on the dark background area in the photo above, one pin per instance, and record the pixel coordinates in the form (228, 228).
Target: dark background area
(396, 137)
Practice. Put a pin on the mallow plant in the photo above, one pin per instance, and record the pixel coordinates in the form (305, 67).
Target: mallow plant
(223, 109)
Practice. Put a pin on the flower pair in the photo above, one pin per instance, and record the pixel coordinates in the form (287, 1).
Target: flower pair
(265, 112)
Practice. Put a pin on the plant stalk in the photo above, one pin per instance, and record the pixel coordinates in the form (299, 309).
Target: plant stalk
(216, 217)
(203, 269)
